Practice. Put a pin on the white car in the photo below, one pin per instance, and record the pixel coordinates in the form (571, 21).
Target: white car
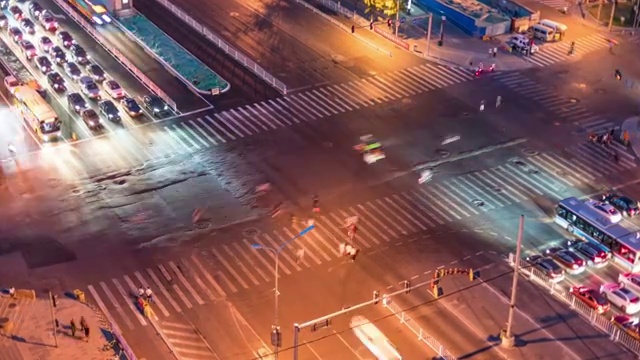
(607, 210)
(621, 297)
(630, 281)
(114, 89)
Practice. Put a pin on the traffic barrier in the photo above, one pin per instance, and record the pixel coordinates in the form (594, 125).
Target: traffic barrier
(600, 322)
(124, 61)
(168, 67)
(216, 40)
(423, 336)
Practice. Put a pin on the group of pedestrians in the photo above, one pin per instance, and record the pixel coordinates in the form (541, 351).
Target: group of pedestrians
(605, 140)
(146, 294)
(84, 328)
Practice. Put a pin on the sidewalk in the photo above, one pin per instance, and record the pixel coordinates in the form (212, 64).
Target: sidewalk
(26, 329)
(459, 48)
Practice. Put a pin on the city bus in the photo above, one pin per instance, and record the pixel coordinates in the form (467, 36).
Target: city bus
(585, 222)
(92, 10)
(37, 113)
(381, 347)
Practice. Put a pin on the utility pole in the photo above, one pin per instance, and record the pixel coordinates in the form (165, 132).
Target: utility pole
(508, 340)
(397, 18)
(613, 11)
(429, 34)
(599, 10)
(53, 318)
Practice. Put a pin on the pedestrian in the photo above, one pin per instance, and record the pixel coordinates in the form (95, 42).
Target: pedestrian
(73, 327)
(83, 323)
(299, 255)
(12, 292)
(149, 294)
(343, 249)
(86, 333)
(354, 252)
(141, 291)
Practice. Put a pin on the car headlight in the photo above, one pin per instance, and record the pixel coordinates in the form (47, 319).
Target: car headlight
(110, 116)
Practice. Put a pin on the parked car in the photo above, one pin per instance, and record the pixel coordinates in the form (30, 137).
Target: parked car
(591, 297)
(72, 70)
(621, 297)
(626, 205)
(547, 266)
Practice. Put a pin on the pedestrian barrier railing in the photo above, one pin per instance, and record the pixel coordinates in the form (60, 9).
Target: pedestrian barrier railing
(112, 327)
(215, 39)
(336, 7)
(417, 330)
(126, 63)
(164, 64)
(357, 19)
(562, 292)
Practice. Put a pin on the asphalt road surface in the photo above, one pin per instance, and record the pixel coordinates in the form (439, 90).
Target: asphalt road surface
(108, 218)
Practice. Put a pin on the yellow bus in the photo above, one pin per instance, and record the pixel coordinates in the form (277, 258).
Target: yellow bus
(37, 113)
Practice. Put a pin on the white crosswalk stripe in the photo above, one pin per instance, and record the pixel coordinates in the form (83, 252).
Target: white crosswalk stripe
(556, 4)
(215, 272)
(552, 53)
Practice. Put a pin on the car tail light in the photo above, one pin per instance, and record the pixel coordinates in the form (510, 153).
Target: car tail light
(597, 259)
(635, 300)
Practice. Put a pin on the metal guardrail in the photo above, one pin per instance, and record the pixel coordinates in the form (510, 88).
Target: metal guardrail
(240, 57)
(417, 330)
(116, 54)
(166, 65)
(616, 334)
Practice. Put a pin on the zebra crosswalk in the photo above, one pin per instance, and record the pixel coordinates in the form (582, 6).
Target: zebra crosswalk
(573, 111)
(552, 53)
(207, 130)
(215, 272)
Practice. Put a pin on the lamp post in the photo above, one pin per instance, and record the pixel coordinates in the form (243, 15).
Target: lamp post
(276, 337)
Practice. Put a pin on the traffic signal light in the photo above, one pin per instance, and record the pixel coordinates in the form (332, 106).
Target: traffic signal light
(276, 336)
(407, 286)
(353, 29)
(371, 26)
(376, 296)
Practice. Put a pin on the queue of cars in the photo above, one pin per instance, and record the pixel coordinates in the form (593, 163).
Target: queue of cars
(58, 54)
(578, 255)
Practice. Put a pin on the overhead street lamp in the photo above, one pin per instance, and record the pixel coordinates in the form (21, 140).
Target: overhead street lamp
(276, 336)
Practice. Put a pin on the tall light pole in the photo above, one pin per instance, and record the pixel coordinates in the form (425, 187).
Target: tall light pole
(508, 340)
(276, 337)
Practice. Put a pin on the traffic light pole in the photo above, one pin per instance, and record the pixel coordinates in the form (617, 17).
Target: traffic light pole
(327, 318)
(429, 34)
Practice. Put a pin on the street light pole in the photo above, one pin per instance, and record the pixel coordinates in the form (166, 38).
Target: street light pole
(508, 340)
(276, 336)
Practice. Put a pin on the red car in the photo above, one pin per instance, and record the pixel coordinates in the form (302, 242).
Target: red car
(592, 298)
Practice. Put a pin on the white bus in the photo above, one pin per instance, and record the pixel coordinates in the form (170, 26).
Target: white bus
(374, 339)
(587, 223)
(37, 113)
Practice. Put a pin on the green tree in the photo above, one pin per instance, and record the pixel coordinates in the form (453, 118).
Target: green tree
(374, 6)
(391, 6)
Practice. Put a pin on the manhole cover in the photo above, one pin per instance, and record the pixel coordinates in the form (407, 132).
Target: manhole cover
(442, 152)
(533, 171)
(497, 189)
(518, 162)
(234, 14)
(251, 232)
(100, 187)
(600, 91)
(150, 144)
(120, 182)
(574, 100)
(529, 152)
(478, 202)
(202, 225)
(465, 114)
(75, 191)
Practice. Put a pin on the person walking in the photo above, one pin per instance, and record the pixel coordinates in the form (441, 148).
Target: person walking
(73, 327)
(86, 333)
(83, 323)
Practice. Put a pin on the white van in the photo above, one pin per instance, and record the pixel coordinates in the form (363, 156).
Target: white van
(559, 28)
(542, 32)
